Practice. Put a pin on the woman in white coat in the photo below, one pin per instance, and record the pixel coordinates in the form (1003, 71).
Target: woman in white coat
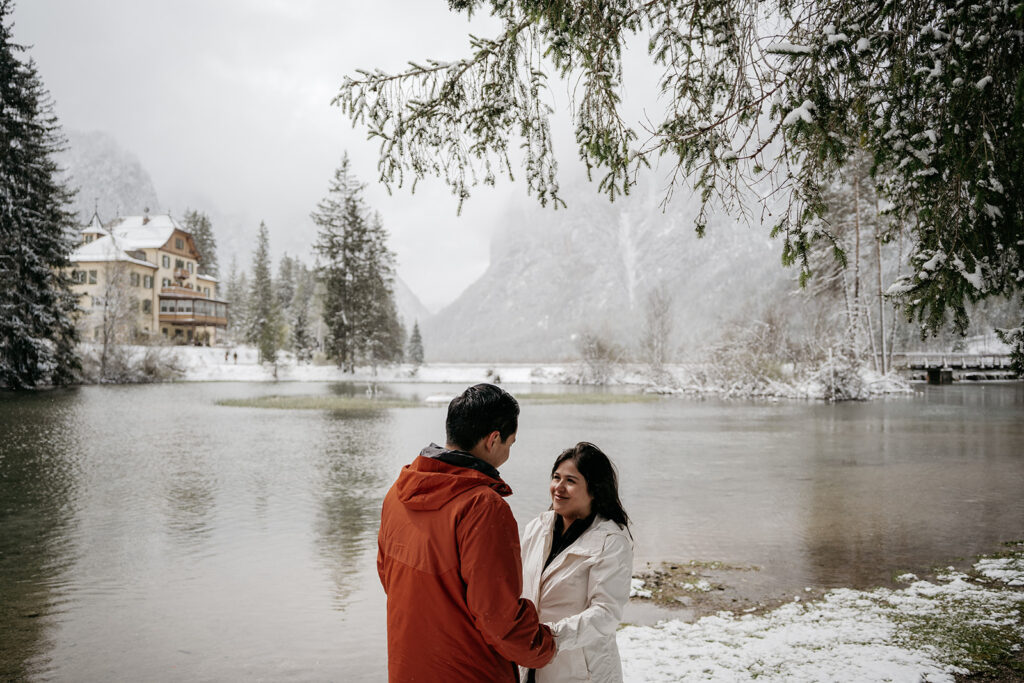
(577, 565)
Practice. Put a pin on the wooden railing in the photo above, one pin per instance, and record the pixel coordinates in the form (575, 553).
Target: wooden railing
(190, 318)
(923, 360)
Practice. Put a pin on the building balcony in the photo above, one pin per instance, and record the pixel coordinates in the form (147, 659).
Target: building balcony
(187, 307)
(178, 290)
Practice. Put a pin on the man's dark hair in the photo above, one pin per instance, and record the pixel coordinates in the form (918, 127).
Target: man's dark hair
(477, 412)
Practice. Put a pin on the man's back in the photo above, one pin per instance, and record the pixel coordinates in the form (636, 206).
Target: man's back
(449, 561)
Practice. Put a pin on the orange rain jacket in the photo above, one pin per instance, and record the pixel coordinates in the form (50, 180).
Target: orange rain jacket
(449, 560)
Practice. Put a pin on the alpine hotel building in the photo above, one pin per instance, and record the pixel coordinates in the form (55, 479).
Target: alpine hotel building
(155, 261)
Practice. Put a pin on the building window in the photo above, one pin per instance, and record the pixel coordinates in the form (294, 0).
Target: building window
(165, 260)
(179, 243)
(92, 277)
(179, 264)
(78, 277)
(134, 278)
(166, 282)
(166, 305)
(189, 266)
(147, 307)
(147, 281)
(206, 291)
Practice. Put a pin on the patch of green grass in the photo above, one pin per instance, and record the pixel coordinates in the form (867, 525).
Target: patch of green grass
(587, 398)
(969, 639)
(336, 404)
(715, 564)
(982, 638)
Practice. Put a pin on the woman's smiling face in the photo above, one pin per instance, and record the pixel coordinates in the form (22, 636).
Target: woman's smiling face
(569, 495)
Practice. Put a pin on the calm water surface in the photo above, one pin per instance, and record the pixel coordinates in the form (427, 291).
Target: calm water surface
(149, 534)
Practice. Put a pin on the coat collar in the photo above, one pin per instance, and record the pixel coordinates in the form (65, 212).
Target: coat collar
(589, 544)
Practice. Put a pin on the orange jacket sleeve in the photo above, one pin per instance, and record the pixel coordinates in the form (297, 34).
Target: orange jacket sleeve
(491, 568)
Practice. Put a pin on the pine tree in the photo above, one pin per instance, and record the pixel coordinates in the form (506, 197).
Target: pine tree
(236, 293)
(37, 332)
(415, 351)
(302, 340)
(264, 315)
(357, 270)
(382, 333)
(202, 232)
(285, 285)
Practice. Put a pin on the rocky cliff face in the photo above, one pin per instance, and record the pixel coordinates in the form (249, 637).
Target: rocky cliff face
(589, 268)
(109, 178)
(410, 308)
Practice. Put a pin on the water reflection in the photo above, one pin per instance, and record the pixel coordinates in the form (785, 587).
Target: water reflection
(873, 506)
(362, 390)
(351, 473)
(191, 502)
(38, 479)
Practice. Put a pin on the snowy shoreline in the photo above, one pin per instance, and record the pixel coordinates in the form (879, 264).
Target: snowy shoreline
(219, 364)
(927, 631)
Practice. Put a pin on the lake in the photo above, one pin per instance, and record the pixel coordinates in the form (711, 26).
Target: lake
(147, 533)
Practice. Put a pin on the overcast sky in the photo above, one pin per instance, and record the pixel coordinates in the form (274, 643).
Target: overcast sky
(227, 104)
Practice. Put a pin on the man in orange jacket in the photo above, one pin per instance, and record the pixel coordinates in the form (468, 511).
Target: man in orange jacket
(448, 555)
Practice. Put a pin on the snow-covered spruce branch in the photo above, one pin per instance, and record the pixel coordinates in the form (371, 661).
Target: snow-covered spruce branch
(762, 100)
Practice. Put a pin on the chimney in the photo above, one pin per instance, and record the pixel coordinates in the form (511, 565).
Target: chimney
(145, 215)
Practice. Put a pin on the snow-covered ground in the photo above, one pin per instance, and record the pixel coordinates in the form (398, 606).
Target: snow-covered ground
(202, 364)
(911, 634)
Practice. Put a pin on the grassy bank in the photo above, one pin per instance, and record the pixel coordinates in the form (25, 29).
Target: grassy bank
(362, 404)
(334, 404)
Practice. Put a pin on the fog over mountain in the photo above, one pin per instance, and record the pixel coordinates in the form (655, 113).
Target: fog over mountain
(109, 178)
(589, 268)
(410, 308)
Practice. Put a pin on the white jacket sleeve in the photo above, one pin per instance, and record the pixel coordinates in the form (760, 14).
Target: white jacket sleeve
(607, 595)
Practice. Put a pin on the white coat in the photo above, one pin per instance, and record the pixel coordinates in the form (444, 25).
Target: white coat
(581, 595)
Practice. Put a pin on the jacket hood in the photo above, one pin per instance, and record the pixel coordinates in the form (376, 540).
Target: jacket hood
(429, 482)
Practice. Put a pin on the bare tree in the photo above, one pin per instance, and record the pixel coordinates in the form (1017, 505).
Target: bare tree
(657, 331)
(599, 358)
(110, 321)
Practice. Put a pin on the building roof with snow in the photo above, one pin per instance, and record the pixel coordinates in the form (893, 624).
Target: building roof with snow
(124, 237)
(107, 248)
(95, 227)
(144, 232)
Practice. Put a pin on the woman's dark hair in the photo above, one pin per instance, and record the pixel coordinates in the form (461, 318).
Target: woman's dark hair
(602, 482)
